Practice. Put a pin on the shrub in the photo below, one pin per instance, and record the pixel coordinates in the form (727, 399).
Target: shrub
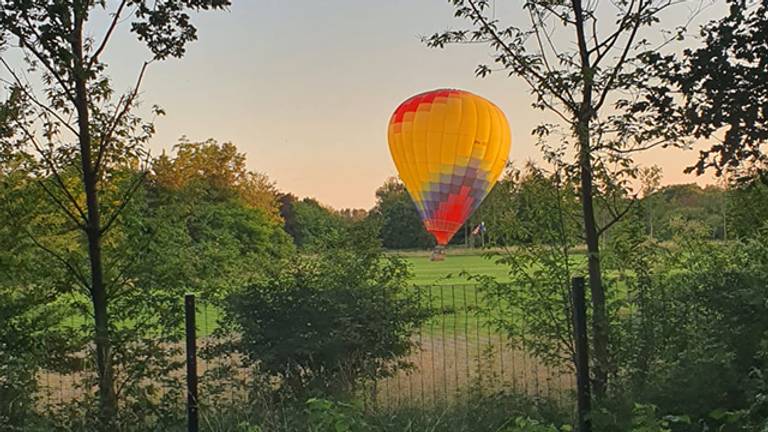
(694, 336)
(29, 341)
(325, 322)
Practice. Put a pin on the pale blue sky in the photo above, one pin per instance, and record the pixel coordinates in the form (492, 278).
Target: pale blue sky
(306, 88)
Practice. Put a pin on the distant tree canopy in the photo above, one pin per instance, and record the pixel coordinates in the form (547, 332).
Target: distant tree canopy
(311, 224)
(221, 169)
(224, 239)
(353, 214)
(226, 217)
(748, 206)
(511, 212)
(688, 204)
(398, 219)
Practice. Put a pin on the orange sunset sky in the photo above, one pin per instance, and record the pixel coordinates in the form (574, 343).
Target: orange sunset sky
(306, 88)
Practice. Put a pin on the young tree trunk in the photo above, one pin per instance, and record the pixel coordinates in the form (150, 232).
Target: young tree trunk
(583, 121)
(599, 316)
(106, 390)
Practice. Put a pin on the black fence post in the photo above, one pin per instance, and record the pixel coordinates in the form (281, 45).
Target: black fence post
(189, 313)
(584, 401)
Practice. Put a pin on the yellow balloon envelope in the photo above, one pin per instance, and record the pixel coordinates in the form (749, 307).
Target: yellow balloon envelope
(450, 147)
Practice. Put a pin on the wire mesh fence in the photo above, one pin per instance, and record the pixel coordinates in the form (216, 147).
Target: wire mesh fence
(458, 353)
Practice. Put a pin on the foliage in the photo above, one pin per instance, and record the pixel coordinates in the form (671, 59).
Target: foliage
(401, 226)
(219, 170)
(533, 308)
(505, 210)
(327, 320)
(479, 413)
(172, 241)
(221, 238)
(645, 419)
(32, 335)
(317, 226)
(526, 424)
(329, 416)
(650, 179)
(676, 314)
(499, 411)
(496, 210)
(748, 206)
(311, 224)
(691, 312)
(684, 203)
(168, 242)
(353, 215)
(730, 112)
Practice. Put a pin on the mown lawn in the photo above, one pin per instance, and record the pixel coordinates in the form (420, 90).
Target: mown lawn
(440, 284)
(448, 272)
(454, 297)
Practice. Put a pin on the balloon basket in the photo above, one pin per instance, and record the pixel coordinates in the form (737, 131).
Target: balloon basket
(438, 254)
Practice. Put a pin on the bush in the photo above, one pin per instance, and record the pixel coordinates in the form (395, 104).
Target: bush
(29, 341)
(693, 335)
(325, 322)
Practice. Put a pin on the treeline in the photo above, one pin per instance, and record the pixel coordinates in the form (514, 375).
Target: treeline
(720, 213)
(208, 182)
(214, 171)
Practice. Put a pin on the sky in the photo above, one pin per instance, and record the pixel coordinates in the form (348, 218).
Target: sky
(306, 88)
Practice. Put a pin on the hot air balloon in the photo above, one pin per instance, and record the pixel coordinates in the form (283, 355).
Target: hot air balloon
(449, 147)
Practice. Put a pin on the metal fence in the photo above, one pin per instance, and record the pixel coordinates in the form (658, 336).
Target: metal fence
(459, 354)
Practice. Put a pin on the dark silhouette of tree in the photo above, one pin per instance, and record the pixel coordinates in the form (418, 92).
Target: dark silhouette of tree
(722, 88)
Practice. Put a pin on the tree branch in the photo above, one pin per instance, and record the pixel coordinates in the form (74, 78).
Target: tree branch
(632, 149)
(618, 216)
(620, 64)
(32, 97)
(536, 27)
(522, 64)
(112, 26)
(120, 278)
(61, 205)
(56, 176)
(29, 46)
(119, 114)
(126, 199)
(610, 41)
(77, 275)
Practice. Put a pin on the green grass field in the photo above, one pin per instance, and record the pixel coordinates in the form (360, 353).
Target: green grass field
(445, 287)
(441, 285)
(448, 272)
